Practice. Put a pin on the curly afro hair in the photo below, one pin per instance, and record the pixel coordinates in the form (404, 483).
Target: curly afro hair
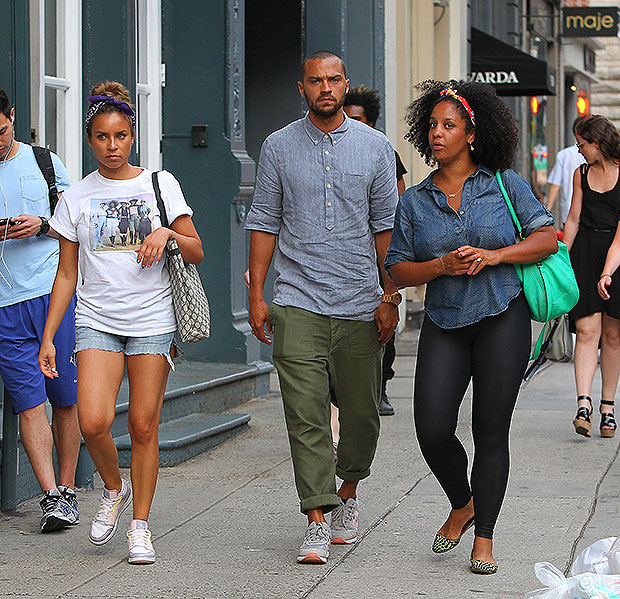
(368, 99)
(497, 136)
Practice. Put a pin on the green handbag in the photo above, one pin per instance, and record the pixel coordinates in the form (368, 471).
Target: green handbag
(549, 285)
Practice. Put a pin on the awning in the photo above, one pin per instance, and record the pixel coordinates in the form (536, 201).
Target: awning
(511, 71)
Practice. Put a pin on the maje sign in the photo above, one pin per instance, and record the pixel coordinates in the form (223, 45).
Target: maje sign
(592, 21)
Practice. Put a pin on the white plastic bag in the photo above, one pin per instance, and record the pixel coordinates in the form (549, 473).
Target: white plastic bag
(582, 586)
(602, 557)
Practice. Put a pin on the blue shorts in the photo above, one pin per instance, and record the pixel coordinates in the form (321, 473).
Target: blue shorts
(158, 345)
(21, 330)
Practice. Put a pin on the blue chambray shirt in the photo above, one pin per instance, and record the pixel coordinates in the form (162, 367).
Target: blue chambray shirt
(426, 227)
(325, 195)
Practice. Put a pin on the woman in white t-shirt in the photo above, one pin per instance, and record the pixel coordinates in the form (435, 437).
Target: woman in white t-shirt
(124, 312)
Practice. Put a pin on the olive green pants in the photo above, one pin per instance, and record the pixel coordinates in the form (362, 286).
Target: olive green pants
(311, 351)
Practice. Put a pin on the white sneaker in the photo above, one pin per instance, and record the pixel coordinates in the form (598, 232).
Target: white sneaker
(113, 504)
(315, 548)
(344, 522)
(139, 541)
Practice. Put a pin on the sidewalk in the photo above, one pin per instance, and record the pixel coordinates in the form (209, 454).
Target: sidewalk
(226, 524)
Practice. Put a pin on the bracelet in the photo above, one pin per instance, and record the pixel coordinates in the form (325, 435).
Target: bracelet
(604, 275)
(443, 266)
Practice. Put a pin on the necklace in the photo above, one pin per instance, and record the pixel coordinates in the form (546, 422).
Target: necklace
(453, 195)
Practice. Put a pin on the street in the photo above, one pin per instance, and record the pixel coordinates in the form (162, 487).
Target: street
(226, 524)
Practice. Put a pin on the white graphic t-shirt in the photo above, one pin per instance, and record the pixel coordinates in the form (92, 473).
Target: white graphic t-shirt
(110, 219)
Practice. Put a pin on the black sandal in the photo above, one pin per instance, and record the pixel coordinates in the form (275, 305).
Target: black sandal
(582, 421)
(608, 422)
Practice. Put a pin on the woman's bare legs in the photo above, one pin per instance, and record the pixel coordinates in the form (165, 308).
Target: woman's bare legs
(99, 375)
(148, 375)
(586, 354)
(610, 360)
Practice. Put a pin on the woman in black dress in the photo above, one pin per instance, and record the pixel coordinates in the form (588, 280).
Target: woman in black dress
(589, 232)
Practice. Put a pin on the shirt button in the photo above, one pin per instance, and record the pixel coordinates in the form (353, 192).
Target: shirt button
(329, 203)
(459, 230)
(326, 151)
(329, 186)
(327, 168)
(462, 212)
(326, 136)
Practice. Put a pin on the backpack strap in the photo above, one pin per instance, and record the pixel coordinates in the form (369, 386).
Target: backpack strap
(44, 159)
(163, 217)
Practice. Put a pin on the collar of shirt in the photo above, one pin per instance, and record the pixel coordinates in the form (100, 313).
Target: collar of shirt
(429, 184)
(315, 134)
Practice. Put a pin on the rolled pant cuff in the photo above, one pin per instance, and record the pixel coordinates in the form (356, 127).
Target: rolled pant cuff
(344, 475)
(326, 502)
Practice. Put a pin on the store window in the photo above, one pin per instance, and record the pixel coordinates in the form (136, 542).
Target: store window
(150, 81)
(539, 150)
(56, 102)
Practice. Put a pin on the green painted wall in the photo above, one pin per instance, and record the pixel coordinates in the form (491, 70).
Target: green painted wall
(108, 51)
(194, 48)
(14, 62)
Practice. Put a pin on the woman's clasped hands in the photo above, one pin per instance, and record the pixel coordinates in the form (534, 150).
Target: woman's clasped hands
(468, 260)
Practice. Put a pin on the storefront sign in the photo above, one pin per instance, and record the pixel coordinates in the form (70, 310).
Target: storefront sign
(511, 71)
(593, 21)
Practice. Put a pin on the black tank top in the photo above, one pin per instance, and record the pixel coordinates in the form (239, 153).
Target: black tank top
(599, 210)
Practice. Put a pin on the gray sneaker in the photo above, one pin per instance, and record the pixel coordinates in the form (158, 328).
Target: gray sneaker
(68, 494)
(315, 548)
(344, 522)
(104, 523)
(56, 511)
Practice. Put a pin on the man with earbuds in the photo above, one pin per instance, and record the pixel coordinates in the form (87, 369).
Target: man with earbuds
(28, 263)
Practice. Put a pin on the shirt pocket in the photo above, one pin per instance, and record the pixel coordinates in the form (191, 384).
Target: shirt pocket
(34, 189)
(487, 214)
(354, 186)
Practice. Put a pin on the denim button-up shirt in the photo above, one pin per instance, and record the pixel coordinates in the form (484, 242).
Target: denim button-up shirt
(426, 227)
(325, 195)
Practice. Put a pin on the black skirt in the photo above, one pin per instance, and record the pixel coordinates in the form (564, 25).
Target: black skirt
(587, 255)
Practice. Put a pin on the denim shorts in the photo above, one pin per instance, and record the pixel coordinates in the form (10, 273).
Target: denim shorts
(158, 345)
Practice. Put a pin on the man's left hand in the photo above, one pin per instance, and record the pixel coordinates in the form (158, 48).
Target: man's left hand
(386, 318)
(23, 226)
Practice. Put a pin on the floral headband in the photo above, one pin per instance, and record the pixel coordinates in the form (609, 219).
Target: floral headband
(448, 91)
(98, 101)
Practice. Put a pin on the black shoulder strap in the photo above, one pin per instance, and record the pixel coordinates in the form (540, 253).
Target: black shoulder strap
(44, 159)
(160, 204)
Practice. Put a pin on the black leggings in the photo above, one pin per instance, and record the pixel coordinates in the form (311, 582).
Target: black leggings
(494, 352)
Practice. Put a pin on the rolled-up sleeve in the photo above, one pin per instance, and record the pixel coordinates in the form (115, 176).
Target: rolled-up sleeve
(384, 192)
(266, 211)
(401, 248)
(531, 213)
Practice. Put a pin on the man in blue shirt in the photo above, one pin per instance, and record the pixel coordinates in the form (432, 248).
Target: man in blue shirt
(324, 201)
(28, 263)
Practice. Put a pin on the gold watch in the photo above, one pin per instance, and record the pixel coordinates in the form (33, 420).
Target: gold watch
(391, 298)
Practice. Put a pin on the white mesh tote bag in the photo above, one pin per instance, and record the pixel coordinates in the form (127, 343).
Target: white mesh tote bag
(191, 306)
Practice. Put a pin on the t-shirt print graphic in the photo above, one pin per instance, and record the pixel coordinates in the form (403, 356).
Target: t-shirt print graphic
(120, 223)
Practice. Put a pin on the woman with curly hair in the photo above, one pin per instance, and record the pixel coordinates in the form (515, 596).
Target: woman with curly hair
(453, 232)
(589, 233)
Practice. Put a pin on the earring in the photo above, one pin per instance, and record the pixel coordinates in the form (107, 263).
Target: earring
(471, 147)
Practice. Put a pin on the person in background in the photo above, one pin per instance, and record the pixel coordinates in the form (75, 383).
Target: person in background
(28, 262)
(453, 231)
(324, 203)
(364, 104)
(589, 233)
(124, 314)
(560, 179)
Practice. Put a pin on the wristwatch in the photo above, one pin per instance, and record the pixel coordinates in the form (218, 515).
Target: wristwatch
(391, 298)
(45, 226)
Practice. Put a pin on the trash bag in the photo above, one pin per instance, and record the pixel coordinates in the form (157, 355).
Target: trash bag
(587, 585)
(602, 557)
